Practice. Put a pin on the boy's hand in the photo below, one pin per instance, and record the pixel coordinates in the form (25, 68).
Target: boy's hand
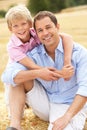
(67, 72)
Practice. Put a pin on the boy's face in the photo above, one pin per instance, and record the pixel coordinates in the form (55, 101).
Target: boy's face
(21, 29)
(47, 31)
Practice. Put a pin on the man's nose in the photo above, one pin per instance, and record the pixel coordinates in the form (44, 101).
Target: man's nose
(45, 32)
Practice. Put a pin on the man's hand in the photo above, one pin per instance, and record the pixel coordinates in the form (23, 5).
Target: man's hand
(61, 123)
(48, 74)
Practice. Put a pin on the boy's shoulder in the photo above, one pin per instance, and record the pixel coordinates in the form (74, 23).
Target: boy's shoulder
(14, 41)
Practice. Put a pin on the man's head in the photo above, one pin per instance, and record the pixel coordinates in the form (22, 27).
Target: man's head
(46, 26)
(43, 14)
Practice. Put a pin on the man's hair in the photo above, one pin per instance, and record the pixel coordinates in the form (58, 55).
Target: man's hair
(43, 14)
(18, 12)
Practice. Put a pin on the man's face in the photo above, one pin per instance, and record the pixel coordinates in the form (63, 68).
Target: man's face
(47, 31)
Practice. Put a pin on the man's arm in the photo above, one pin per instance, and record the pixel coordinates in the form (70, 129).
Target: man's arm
(47, 74)
(74, 108)
(16, 73)
(10, 72)
(81, 94)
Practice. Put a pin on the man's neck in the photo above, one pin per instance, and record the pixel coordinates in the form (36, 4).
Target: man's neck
(51, 51)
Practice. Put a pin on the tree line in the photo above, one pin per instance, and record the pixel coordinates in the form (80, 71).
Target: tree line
(52, 5)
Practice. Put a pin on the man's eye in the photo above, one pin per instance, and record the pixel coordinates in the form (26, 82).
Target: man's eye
(38, 31)
(48, 27)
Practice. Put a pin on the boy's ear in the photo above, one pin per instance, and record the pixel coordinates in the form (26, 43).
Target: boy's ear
(10, 28)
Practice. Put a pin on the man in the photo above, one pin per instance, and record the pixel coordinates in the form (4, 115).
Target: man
(61, 102)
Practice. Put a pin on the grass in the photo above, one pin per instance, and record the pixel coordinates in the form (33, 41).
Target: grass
(74, 23)
(4, 4)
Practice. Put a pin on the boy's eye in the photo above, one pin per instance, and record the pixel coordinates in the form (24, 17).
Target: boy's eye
(15, 26)
(24, 23)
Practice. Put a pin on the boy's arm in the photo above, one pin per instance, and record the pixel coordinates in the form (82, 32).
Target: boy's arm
(66, 72)
(16, 54)
(68, 47)
(28, 62)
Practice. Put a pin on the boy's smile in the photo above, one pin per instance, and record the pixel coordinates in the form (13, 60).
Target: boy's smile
(21, 29)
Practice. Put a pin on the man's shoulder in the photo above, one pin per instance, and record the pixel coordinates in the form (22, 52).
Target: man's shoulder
(79, 47)
(79, 52)
(36, 50)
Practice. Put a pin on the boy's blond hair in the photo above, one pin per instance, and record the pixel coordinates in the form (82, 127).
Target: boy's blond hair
(18, 12)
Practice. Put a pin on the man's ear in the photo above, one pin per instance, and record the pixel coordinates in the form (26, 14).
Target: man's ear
(30, 24)
(58, 26)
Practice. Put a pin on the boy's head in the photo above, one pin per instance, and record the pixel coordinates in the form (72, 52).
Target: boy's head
(17, 13)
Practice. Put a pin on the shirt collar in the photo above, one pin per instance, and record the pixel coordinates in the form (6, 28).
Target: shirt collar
(16, 40)
(59, 47)
(41, 48)
(34, 36)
